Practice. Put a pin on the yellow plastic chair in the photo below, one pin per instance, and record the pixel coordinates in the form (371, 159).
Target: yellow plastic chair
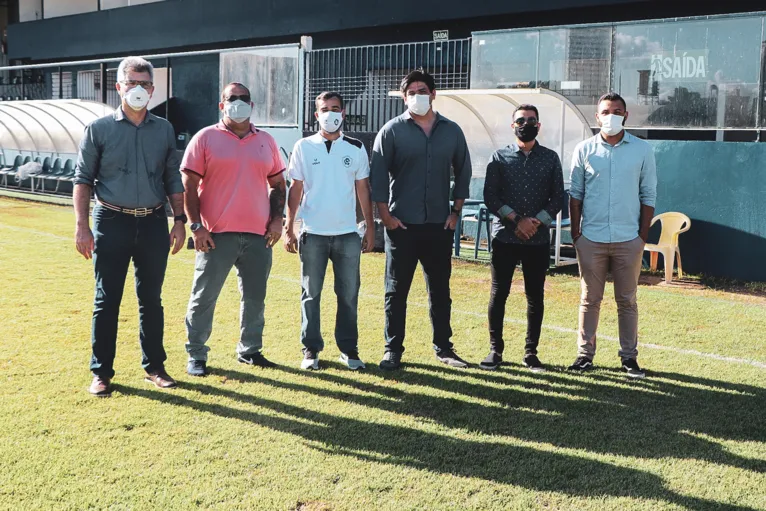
(673, 224)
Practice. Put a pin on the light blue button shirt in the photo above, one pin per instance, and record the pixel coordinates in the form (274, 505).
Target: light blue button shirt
(612, 182)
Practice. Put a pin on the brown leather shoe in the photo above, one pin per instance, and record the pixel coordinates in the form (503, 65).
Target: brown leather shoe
(161, 379)
(99, 387)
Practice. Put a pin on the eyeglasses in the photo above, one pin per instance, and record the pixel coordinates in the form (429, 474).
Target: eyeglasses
(241, 97)
(134, 83)
(521, 121)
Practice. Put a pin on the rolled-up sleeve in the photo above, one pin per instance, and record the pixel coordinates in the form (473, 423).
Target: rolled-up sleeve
(492, 189)
(172, 174)
(88, 158)
(461, 166)
(577, 175)
(382, 160)
(555, 196)
(648, 183)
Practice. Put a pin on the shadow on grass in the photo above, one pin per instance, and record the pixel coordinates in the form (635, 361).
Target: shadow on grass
(639, 419)
(603, 412)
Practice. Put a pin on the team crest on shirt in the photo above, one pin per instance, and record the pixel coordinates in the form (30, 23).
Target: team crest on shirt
(347, 161)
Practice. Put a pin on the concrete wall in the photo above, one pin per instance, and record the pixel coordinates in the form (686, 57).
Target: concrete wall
(190, 24)
(721, 186)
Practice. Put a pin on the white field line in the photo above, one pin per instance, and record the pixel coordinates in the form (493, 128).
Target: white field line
(680, 351)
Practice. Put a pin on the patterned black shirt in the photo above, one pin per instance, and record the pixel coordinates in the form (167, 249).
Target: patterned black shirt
(532, 186)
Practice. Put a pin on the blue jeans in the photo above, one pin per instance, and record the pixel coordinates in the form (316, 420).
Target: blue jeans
(431, 245)
(118, 239)
(344, 251)
(249, 254)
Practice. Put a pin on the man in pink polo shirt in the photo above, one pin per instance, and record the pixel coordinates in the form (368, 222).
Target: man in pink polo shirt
(235, 197)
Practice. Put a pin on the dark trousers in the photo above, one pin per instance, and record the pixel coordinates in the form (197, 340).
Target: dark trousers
(431, 245)
(118, 239)
(534, 260)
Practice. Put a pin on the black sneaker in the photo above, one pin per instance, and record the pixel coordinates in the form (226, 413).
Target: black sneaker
(533, 363)
(196, 368)
(582, 364)
(450, 358)
(391, 361)
(310, 360)
(630, 366)
(256, 359)
(492, 361)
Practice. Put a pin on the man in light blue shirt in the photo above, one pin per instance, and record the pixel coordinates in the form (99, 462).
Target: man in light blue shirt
(613, 191)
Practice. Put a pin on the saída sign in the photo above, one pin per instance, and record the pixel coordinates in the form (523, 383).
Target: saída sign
(684, 66)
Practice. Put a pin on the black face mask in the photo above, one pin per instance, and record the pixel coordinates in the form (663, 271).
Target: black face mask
(526, 133)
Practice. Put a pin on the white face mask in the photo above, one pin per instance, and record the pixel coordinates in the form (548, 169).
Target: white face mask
(330, 121)
(611, 124)
(137, 98)
(237, 111)
(419, 104)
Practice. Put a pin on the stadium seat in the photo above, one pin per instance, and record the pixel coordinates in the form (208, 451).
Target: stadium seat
(7, 175)
(52, 180)
(38, 181)
(66, 178)
(26, 183)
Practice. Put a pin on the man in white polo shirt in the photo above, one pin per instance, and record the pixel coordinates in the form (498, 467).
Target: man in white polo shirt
(329, 171)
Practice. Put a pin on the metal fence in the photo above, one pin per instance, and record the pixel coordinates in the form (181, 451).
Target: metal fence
(63, 82)
(364, 76)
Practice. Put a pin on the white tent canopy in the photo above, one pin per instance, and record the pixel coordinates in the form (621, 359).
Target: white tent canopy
(42, 129)
(485, 115)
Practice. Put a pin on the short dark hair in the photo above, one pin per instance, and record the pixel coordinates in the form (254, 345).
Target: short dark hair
(324, 96)
(527, 107)
(613, 96)
(419, 75)
(231, 85)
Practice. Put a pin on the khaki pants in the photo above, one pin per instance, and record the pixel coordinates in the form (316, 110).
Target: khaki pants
(624, 262)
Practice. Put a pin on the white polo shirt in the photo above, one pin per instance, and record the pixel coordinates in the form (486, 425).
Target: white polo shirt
(329, 171)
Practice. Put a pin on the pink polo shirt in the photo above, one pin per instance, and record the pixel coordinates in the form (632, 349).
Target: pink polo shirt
(234, 189)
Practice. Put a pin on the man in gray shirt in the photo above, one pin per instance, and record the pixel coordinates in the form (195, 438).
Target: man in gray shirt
(129, 159)
(410, 176)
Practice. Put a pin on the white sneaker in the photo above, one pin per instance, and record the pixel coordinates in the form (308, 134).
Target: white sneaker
(351, 363)
(310, 360)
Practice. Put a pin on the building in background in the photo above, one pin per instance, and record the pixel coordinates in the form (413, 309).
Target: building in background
(693, 75)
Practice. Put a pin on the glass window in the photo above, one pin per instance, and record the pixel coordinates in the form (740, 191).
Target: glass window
(701, 73)
(54, 9)
(114, 4)
(575, 63)
(505, 60)
(271, 74)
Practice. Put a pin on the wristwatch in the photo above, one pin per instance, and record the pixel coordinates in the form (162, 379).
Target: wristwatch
(196, 226)
(455, 210)
(180, 218)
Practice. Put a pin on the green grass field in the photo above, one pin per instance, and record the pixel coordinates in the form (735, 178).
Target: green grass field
(690, 436)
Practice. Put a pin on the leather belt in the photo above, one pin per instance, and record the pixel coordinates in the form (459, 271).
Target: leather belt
(137, 212)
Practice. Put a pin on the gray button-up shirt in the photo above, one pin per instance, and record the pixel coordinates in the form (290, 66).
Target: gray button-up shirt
(129, 166)
(411, 172)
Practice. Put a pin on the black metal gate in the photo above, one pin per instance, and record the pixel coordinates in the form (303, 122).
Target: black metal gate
(364, 76)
